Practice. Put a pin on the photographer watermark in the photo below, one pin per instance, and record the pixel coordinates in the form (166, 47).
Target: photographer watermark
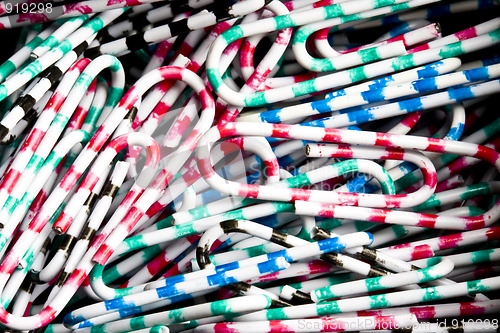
(400, 322)
(358, 323)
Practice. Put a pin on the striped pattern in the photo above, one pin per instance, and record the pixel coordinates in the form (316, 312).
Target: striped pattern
(336, 79)
(258, 212)
(374, 302)
(155, 35)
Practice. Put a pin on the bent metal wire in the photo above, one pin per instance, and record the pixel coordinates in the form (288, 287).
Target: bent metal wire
(271, 167)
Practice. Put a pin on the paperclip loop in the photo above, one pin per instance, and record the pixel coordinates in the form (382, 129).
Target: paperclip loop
(201, 20)
(331, 80)
(191, 223)
(256, 145)
(318, 185)
(70, 176)
(337, 260)
(176, 285)
(72, 41)
(286, 131)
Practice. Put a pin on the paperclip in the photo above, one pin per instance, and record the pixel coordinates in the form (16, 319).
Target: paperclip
(477, 30)
(325, 82)
(18, 58)
(383, 300)
(66, 109)
(276, 237)
(178, 289)
(256, 147)
(92, 177)
(155, 35)
(371, 96)
(322, 324)
(51, 12)
(195, 225)
(410, 34)
(128, 101)
(260, 192)
(290, 254)
(59, 35)
(217, 308)
(178, 129)
(371, 150)
(384, 282)
(43, 85)
(42, 63)
(53, 267)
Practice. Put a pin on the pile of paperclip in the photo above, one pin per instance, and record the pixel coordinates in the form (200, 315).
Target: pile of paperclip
(250, 166)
